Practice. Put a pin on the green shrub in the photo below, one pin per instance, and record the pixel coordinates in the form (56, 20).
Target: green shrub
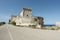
(2, 23)
(53, 29)
(30, 25)
(13, 23)
(34, 26)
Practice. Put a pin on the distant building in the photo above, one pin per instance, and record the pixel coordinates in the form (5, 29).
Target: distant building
(12, 19)
(58, 24)
(25, 18)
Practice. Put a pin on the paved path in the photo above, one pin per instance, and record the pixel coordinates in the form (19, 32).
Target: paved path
(4, 34)
(9, 32)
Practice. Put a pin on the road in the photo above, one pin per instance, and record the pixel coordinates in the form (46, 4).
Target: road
(10, 32)
(4, 34)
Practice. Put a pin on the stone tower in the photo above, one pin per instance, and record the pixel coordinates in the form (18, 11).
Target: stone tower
(26, 12)
(24, 17)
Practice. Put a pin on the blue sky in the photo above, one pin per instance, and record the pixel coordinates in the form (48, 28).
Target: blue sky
(48, 9)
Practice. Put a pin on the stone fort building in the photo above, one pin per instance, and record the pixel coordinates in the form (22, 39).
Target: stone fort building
(25, 18)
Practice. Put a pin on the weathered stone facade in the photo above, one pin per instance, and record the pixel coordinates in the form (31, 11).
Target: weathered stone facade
(12, 19)
(25, 18)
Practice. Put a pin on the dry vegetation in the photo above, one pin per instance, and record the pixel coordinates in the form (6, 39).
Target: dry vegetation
(51, 28)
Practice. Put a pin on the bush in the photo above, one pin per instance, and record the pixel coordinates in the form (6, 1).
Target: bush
(2, 23)
(13, 23)
(53, 29)
(34, 26)
(30, 25)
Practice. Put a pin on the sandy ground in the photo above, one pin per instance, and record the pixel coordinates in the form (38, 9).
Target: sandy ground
(26, 33)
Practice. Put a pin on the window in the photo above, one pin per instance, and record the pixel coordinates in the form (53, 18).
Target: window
(35, 19)
(27, 15)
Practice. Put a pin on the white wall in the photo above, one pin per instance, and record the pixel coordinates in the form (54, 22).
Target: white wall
(58, 24)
